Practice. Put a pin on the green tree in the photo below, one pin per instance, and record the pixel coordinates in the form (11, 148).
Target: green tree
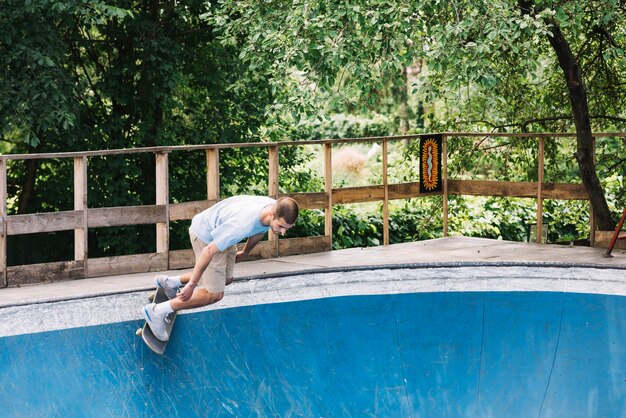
(497, 64)
(122, 74)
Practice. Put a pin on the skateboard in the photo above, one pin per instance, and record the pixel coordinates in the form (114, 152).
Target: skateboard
(145, 332)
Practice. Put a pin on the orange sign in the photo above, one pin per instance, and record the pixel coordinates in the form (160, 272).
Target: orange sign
(430, 167)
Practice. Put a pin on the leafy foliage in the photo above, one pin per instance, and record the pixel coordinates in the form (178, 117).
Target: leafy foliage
(123, 73)
(90, 75)
(345, 126)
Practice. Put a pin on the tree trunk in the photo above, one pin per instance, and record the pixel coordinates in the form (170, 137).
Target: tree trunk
(584, 137)
(580, 111)
(27, 187)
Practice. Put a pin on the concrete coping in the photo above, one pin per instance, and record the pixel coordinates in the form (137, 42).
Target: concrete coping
(451, 252)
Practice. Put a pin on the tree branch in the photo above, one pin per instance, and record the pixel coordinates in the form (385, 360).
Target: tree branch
(527, 122)
(617, 164)
(601, 30)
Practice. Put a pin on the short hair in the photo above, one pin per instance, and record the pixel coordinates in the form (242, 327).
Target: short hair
(287, 209)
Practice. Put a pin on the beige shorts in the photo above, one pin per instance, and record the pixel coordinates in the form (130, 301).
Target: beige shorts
(221, 267)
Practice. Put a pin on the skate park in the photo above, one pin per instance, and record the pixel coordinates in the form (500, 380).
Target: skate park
(455, 326)
(453, 247)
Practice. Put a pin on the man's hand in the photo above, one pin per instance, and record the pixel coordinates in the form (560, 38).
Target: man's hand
(201, 264)
(187, 292)
(250, 244)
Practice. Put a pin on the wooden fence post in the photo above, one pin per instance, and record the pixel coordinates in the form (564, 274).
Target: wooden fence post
(163, 198)
(213, 174)
(3, 214)
(328, 188)
(540, 174)
(80, 203)
(386, 195)
(273, 161)
(444, 180)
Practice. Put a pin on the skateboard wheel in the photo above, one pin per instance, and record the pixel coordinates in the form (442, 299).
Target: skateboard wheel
(139, 332)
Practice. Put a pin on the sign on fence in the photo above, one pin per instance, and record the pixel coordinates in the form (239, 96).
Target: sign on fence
(430, 164)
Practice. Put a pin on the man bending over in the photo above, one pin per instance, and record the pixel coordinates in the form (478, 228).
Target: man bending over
(214, 235)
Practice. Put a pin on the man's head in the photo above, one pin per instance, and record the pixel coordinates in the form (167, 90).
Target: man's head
(284, 215)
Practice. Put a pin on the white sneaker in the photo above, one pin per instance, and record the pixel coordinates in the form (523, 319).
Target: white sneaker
(171, 290)
(156, 322)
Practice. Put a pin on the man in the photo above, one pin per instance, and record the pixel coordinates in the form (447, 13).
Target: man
(214, 235)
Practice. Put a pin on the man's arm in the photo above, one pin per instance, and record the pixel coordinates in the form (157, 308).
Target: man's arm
(202, 263)
(250, 244)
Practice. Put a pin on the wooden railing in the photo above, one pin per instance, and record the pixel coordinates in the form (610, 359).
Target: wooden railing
(82, 218)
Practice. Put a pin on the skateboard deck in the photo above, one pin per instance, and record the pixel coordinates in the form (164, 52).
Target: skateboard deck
(145, 332)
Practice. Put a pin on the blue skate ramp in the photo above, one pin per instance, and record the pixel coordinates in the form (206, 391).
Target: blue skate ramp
(407, 354)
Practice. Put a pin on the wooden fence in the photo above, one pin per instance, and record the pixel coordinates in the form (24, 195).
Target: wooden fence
(81, 218)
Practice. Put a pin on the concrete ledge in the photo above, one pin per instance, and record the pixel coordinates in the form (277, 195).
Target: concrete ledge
(443, 252)
(102, 310)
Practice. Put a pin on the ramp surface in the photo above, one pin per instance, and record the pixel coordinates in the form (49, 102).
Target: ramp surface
(404, 354)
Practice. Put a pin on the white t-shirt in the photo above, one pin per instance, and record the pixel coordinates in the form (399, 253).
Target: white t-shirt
(228, 222)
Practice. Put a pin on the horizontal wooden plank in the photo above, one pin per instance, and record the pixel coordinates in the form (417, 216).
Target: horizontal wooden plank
(289, 246)
(376, 193)
(404, 190)
(306, 245)
(97, 218)
(358, 194)
(562, 191)
(264, 249)
(126, 215)
(187, 210)
(45, 272)
(44, 222)
(309, 200)
(126, 264)
(492, 188)
(182, 259)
